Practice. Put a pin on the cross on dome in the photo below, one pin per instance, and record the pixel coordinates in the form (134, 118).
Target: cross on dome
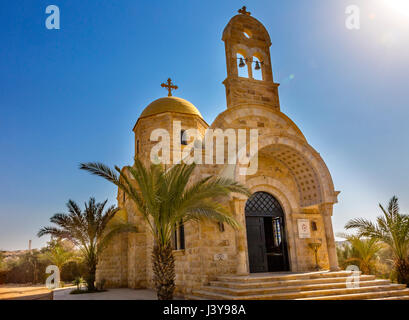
(244, 11)
(170, 86)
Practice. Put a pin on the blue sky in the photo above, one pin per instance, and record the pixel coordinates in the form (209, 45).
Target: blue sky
(74, 94)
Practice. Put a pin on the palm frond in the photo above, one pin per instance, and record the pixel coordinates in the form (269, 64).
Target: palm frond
(391, 229)
(73, 208)
(84, 228)
(165, 197)
(101, 170)
(393, 207)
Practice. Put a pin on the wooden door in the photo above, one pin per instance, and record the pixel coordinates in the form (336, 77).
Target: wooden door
(256, 243)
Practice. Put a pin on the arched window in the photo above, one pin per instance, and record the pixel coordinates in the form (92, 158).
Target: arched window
(178, 240)
(257, 69)
(247, 33)
(181, 237)
(263, 204)
(242, 66)
(183, 138)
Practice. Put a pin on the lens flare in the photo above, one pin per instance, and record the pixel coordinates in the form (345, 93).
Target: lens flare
(401, 6)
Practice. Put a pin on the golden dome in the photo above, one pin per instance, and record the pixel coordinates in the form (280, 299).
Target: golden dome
(170, 104)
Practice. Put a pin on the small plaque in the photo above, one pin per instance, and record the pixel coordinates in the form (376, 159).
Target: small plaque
(304, 229)
(220, 257)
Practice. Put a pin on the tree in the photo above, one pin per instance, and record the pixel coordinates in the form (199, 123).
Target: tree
(77, 282)
(393, 229)
(362, 251)
(25, 268)
(91, 230)
(58, 255)
(343, 253)
(2, 263)
(166, 198)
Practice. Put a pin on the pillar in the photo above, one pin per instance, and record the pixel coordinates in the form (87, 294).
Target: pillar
(329, 235)
(241, 237)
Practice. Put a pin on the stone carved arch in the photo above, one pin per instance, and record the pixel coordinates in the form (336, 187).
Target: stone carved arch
(289, 203)
(229, 116)
(242, 23)
(249, 52)
(293, 145)
(320, 174)
(241, 49)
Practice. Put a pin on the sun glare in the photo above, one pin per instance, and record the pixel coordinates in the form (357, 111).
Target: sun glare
(401, 6)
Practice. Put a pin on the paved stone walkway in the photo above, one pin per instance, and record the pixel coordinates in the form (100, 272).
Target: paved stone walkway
(111, 294)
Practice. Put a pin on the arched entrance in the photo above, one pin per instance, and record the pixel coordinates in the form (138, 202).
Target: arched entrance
(266, 240)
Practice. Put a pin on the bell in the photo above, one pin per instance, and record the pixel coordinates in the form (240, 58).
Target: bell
(241, 64)
(257, 67)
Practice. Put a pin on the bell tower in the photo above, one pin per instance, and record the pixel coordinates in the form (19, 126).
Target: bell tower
(249, 74)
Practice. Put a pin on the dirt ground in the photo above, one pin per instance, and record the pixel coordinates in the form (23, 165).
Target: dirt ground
(24, 292)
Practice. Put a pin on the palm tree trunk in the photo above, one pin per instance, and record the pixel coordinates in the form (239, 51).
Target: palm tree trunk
(90, 279)
(402, 269)
(164, 271)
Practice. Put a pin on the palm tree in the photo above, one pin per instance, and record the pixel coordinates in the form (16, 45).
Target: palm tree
(58, 255)
(90, 229)
(166, 198)
(77, 282)
(363, 252)
(393, 229)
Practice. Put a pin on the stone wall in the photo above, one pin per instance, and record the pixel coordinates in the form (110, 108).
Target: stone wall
(112, 265)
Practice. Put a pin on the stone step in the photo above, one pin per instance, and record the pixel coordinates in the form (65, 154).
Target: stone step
(315, 294)
(269, 284)
(348, 291)
(405, 297)
(193, 297)
(284, 276)
(380, 295)
(293, 288)
(321, 285)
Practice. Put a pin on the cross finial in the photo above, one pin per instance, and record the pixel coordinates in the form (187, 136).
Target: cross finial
(244, 11)
(170, 86)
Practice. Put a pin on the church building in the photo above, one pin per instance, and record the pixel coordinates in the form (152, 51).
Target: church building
(287, 221)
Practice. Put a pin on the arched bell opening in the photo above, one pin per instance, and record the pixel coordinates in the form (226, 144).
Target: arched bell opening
(242, 67)
(257, 69)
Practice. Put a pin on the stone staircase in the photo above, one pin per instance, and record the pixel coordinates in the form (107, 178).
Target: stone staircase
(322, 285)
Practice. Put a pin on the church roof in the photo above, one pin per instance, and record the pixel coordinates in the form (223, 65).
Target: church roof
(170, 104)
